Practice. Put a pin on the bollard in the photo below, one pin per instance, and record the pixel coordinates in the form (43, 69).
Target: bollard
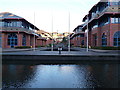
(59, 49)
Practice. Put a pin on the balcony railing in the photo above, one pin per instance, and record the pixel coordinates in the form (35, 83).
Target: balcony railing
(16, 29)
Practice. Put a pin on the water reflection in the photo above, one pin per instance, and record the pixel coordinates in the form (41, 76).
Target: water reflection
(61, 76)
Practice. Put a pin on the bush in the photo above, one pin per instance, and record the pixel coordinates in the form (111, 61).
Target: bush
(22, 47)
(38, 46)
(106, 48)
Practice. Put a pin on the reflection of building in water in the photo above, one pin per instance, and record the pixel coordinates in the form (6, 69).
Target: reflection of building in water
(16, 75)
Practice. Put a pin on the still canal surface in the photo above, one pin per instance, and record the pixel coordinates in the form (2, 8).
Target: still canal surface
(61, 76)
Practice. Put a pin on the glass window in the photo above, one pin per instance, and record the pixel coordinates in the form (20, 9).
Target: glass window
(104, 40)
(12, 39)
(115, 20)
(1, 23)
(24, 40)
(114, 3)
(0, 39)
(116, 39)
(82, 35)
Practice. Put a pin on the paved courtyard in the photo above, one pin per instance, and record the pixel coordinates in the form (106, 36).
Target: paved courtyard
(41, 51)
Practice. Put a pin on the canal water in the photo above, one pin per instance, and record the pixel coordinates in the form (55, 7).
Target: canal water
(61, 76)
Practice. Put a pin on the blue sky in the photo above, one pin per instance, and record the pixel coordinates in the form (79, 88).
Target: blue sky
(45, 9)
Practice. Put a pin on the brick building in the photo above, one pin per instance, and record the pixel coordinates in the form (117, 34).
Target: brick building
(77, 38)
(46, 38)
(103, 22)
(16, 31)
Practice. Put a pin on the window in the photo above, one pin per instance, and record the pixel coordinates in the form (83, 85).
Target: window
(1, 23)
(12, 39)
(0, 39)
(104, 40)
(18, 24)
(95, 26)
(24, 40)
(116, 39)
(115, 3)
(82, 35)
(82, 43)
(115, 20)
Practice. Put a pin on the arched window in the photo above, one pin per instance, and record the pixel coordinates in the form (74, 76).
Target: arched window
(12, 39)
(116, 39)
(104, 40)
(82, 43)
(24, 40)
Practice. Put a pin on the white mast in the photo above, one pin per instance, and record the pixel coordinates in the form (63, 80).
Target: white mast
(87, 34)
(69, 33)
(52, 34)
(34, 32)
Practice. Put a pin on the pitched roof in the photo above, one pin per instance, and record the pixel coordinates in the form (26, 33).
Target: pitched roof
(7, 15)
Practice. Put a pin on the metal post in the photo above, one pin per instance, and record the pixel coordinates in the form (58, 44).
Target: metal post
(87, 35)
(52, 35)
(69, 33)
(34, 33)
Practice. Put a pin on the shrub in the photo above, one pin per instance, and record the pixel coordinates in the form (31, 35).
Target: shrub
(22, 47)
(38, 46)
(106, 48)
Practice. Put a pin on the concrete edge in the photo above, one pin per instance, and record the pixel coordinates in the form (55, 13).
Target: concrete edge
(58, 59)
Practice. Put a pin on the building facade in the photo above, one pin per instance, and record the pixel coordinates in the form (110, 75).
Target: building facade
(77, 38)
(16, 31)
(103, 24)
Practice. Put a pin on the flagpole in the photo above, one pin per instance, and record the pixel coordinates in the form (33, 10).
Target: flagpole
(87, 35)
(34, 32)
(52, 34)
(69, 33)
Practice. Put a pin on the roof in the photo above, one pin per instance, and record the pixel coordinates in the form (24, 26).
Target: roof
(7, 15)
(78, 27)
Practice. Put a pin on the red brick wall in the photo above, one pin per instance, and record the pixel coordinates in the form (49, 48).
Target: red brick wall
(4, 40)
(109, 30)
(27, 40)
(19, 35)
(113, 29)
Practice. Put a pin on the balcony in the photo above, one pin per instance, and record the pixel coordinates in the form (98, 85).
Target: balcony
(109, 9)
(16, 29)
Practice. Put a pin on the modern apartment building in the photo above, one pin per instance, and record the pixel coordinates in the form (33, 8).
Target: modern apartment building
(77, 38)
(103, 24)
(16, 31)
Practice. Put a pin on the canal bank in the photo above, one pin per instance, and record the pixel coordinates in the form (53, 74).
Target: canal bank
(39, 56)
(59, 59)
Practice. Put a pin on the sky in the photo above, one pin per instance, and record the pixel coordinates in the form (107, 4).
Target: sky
(40, 12)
